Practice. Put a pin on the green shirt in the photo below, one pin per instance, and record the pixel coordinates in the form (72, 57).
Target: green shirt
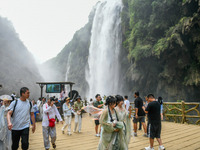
(78, 106)
(97, 103)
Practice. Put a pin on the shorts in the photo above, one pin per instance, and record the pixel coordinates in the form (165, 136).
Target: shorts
(154, 130)
(96, 122)
(139, 119)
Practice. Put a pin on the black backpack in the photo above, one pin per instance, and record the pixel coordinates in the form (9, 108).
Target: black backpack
(16, 104)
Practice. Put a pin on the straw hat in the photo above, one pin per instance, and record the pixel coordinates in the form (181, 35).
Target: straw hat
(6, 98)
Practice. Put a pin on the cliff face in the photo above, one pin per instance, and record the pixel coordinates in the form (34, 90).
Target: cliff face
(17, 67)
(162, 41)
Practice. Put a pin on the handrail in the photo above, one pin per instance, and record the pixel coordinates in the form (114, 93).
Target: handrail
(182, 107)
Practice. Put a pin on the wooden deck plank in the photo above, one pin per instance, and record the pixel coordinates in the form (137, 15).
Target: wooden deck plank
(174, 136)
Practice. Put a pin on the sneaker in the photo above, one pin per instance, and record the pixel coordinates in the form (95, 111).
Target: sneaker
(69, 133)
(63, 132)
(161, 147)
(149, 148)
(79, 131)
(135, 134)
(97, 135)
(54, 145)
(145, 135)
(74, 131)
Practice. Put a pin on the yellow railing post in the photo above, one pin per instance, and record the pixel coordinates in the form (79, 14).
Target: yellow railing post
(183, 111)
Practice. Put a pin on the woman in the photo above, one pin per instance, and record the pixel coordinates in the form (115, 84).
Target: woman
(124, 117)
(48, 123)
(67, 116)
(111, 127)
(5, 134)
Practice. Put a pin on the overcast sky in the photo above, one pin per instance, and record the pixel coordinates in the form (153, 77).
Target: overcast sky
(46, 26)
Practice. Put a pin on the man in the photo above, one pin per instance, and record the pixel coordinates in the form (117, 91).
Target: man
(139, 114)
(58, 106)
(97, 104)
(78, 117)
(20, 111)
(49, 112)
(154, 121)
(126, 102)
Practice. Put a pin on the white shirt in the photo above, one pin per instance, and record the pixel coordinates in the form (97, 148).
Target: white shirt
(52, 111)
(38, 103)
(127, 103)
(21, 116)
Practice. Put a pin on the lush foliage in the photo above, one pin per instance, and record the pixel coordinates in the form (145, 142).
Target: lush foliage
(165, 33)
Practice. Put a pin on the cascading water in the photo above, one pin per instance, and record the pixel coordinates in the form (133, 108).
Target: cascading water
(68, 67)
(102, 74)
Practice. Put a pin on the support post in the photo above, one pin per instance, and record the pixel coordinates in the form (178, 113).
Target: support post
(71, 91)
(41, 86)
(183, 111)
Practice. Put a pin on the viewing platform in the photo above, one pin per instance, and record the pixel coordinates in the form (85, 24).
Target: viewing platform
(175, 136)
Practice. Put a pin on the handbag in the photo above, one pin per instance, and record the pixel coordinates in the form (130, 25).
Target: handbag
(51, 121)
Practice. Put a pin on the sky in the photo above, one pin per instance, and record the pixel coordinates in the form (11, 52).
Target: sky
(46, 26)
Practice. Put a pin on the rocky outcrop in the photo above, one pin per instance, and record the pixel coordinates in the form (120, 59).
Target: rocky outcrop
(17, 67)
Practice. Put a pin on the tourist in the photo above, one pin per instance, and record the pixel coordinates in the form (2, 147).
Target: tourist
(154, 120)
(48, 123)
(97, 104)
(20, 111)
(108, 121)
(126, 102)
(58, 106)
(124, 116)
(139, 114)
(67, 115)
(160, 100)
(5, 134)
(91, 103)
(35, 108)
(38, 102)
(78, 116)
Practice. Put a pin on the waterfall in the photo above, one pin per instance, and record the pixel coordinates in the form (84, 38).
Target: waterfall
(68, 67)
(102, 73)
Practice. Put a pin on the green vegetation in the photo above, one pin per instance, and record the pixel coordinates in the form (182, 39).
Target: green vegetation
(162, 41)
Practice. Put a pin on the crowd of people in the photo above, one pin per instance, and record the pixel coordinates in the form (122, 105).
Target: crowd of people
(113, 117)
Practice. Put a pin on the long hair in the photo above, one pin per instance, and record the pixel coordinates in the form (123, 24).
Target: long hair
(111, 100)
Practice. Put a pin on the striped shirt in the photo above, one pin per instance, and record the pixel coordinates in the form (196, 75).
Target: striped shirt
(21, 116)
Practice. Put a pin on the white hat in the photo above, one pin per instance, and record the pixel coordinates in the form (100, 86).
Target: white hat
(6, 98)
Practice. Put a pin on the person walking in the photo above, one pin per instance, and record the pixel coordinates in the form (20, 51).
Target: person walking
(5, 134)
(139, 114)
(20, 111)
(67, 115)
(126, 102)
(97, 104)
(154, 121)
(78, 117)
(48, 123)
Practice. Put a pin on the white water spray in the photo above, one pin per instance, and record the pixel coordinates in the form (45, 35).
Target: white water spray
(102, 74)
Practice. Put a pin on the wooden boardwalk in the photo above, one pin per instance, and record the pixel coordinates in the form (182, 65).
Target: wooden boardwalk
(174, 136)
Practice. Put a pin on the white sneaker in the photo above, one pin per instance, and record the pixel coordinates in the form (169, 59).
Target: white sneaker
(134, 133)
(144, 135)
(149, 148)
(97, 135)
(69, 133)
(79, 131)
(161, 147)
(74, 131)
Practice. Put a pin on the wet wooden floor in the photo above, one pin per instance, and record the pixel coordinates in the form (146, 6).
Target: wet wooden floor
(174, 136)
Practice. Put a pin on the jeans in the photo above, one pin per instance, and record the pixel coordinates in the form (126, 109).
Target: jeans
(24, 135)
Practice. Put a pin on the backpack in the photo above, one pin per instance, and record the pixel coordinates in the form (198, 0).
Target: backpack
(16, 104)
